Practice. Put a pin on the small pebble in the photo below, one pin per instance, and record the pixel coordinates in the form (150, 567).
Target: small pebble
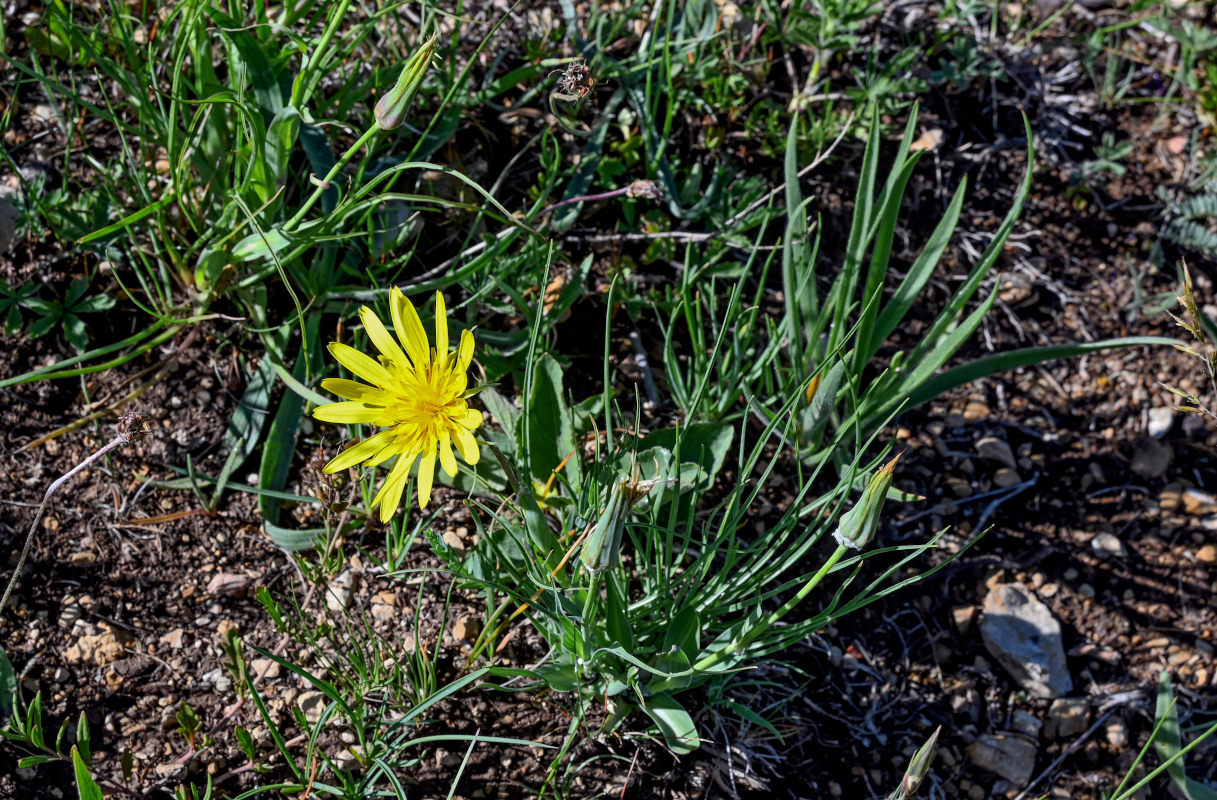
(1106, 545)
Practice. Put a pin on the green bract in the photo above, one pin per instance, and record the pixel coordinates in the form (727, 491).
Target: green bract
(857, 526)
(392, 107)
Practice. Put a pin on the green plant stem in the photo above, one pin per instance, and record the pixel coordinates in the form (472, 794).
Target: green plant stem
(329, 176)
(767, 622)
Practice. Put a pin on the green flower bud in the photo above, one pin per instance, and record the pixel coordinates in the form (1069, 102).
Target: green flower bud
(857, 526)
(919, 767)
(603, 546)
(392, 107)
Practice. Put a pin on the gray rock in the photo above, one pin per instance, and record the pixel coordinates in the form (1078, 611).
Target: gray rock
(1026, 723)
(8, 218)
(1067, 716)
(1025, 638)
(219, 678)
(994, 449)
(1151, 458)
(1011, 757)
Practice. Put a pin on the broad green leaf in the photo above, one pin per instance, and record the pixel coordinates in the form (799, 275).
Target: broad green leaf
(547, 425)
(93, 304)
(295, 541)
(320, 159)
(704, 444)
(683, 631)
(503, 410)
(76, 332)
(679, 732)
(261, 244)
(281, 138)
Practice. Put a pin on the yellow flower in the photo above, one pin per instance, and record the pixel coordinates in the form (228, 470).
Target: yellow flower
(419, 401)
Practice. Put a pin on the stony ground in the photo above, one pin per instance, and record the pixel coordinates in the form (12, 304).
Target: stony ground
(1098, 498)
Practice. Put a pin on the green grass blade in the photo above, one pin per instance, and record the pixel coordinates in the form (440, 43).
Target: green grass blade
(1000, 362)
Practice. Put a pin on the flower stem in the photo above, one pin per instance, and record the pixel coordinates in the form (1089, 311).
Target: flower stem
(329, 176)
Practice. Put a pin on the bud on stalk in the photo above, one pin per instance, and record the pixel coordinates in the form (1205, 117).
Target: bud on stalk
(857, 526)
(392, 107)
(603, 546)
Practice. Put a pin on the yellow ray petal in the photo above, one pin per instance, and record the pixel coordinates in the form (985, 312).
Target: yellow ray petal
(471, 419)
(380, 336)
(409, 328)
(458, 380)
(464, 356)
(354, 390)
(363, 365)
(446, 459)
(357, 453)
(441, 332)
(466, 445)
(352, 413)
(395, 447)
(389, 496)
(426, 474)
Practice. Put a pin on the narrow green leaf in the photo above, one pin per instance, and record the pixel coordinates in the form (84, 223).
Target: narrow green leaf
(947, 318)
(127, 221)
(1013, 359)
(86, 787)
(84, 739)
(921, 271)
(1169, 744)
(280, 444)
(33, 761)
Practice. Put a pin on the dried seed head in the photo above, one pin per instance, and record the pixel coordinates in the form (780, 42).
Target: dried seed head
(643, 189)
(132, 426)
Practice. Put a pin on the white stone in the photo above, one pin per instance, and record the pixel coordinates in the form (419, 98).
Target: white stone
(1105, 545)
(1161, 420)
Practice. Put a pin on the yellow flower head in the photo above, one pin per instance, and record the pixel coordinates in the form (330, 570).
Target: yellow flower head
(419, 400)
